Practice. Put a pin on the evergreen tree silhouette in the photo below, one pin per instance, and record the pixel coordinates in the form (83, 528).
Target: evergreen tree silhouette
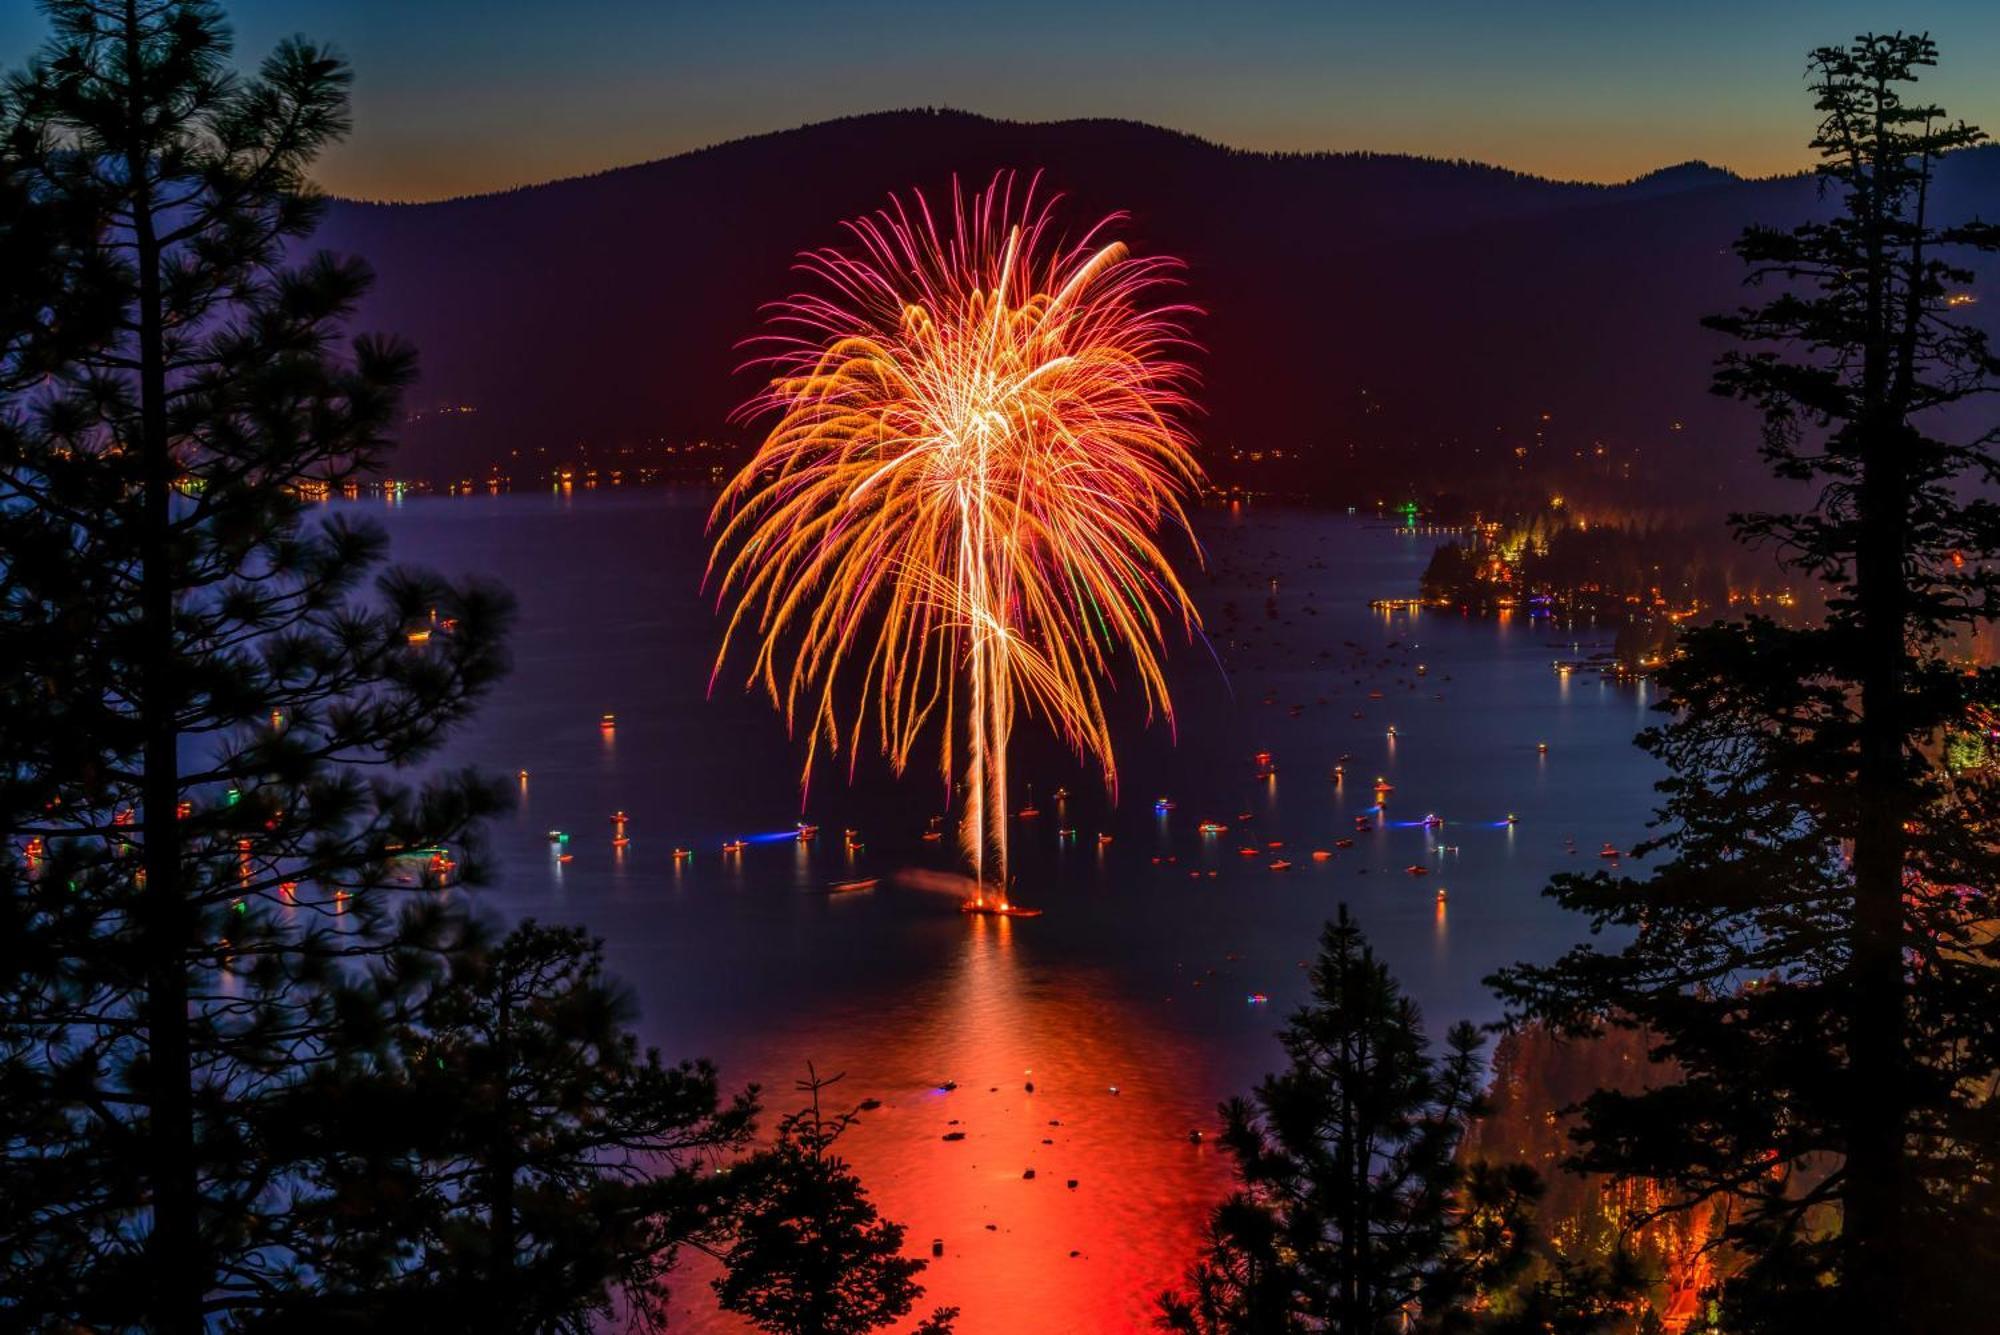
(1815, 953)
(1350, 1215)
(520, 1162)
(210, 694)
(809, 1254)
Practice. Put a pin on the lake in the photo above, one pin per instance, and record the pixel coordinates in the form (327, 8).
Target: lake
(1131, 1006)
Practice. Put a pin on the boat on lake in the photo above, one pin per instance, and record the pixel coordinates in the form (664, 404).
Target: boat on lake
(993, 908)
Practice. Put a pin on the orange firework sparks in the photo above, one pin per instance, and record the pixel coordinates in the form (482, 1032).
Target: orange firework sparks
(980, 439)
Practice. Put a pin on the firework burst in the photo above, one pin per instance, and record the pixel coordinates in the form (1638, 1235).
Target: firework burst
(979, 442)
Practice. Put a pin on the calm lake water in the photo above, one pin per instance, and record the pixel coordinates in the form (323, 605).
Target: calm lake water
(1128, 1005)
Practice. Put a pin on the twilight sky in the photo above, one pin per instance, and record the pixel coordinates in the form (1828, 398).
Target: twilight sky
(459, 96)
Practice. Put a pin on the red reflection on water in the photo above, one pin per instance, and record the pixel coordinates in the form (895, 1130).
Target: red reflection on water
(1019, 1254)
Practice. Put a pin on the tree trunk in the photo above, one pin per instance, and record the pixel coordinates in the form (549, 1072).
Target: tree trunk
(173, 1248)
(1873, 1203)
(503, 1236)
(1354, 1224)
(1874, 1198)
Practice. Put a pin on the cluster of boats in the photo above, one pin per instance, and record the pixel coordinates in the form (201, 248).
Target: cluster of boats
(1265, 768)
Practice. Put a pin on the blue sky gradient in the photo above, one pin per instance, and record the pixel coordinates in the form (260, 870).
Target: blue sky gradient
(457, 96)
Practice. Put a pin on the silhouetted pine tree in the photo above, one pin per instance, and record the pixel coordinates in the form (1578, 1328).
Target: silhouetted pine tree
(1349, 1217)
(1816, 954)
(47, 257)
(524, 1165)
(1577, 1295)
(809, 1254)
(206, 701)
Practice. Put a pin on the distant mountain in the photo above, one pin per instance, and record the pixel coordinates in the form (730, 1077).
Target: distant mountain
(1682, 176)
(1377, 318)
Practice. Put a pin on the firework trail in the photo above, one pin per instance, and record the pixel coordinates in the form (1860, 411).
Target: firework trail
(979, 441)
